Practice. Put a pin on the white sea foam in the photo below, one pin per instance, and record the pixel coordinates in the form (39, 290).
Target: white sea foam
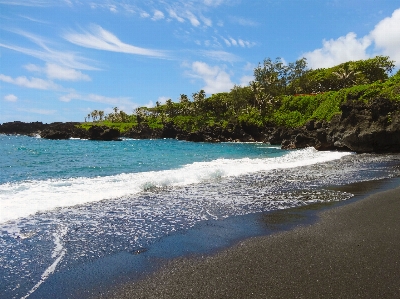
(25, 198)
(58, 253)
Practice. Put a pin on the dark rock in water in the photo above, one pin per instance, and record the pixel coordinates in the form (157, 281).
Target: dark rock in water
(63, 131)
(103, 133)
(51, 134)
(18, 127)
(143, 131)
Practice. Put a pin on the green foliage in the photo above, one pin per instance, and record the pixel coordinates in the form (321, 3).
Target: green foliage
(253, 117)
(345, 75)
(122, 127)
(286, 95)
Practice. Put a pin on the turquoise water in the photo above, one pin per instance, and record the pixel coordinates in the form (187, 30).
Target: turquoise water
(69, 205)
(26, 158)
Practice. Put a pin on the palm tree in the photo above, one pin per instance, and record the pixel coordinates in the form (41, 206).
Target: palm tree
(101, 115)
(346, 75)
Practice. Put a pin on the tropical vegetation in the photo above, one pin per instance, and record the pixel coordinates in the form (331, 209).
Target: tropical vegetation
(280, 95)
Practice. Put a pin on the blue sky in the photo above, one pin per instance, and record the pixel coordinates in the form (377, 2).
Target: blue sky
(59, 60)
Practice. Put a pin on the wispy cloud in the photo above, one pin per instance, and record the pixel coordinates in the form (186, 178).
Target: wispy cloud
(192, 18)
(243, 21)
(214, 2)
(35, 83)
(114, 101)
(33, 19)
(219, 55)
(101, 39)
(57, 72)
(229, 41)
(172, 13)
(48, 54)
(37, 3)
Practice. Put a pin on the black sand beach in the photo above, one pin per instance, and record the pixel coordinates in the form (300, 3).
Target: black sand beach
(353, 251)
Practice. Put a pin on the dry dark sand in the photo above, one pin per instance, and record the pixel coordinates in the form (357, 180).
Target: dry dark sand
(353, 251)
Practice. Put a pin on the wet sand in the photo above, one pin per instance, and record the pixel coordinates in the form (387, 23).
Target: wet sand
(353, 251)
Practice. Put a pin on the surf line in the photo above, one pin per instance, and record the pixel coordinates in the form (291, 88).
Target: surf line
(58, 253)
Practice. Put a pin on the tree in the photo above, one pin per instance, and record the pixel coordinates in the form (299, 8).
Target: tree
(272, 76)
(199, 96)
(101, 115)
(346, 75)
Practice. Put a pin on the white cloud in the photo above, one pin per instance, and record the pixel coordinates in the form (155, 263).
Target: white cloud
(33, 19)
(220, 56)
(149, 104)
(57, 72)
(48, 54)
(10, 98)
(42, 3)
(162, 100)
(158, 15)
(334, 52)
(33, 68)
(233, 42)
(386, 36)
(174, 15)
(244, 81)
(114, 101)
(69, 97)
(243, 21)
(144, 14)
(192, 19)
(214, 77)
(214, 2)
(102, 39)
(227, 42)
(35, 83)
(237, 43)
(206, 21)
(113, 8)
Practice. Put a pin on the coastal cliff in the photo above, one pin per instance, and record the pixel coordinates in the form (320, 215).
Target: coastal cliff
(361, 127)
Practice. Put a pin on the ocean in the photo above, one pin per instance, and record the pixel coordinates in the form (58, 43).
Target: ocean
(77, 216)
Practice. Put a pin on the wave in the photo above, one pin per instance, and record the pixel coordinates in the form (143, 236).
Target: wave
(21, 199)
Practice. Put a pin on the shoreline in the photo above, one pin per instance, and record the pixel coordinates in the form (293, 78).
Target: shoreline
(349, 251)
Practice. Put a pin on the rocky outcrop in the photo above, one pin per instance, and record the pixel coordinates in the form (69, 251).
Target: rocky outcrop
(59, 130)
(143, 131)
(19, 127)
(361, 127)
(103, 133)
(63, 131)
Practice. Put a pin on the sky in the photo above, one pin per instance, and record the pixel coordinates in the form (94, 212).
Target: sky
(61, 59)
